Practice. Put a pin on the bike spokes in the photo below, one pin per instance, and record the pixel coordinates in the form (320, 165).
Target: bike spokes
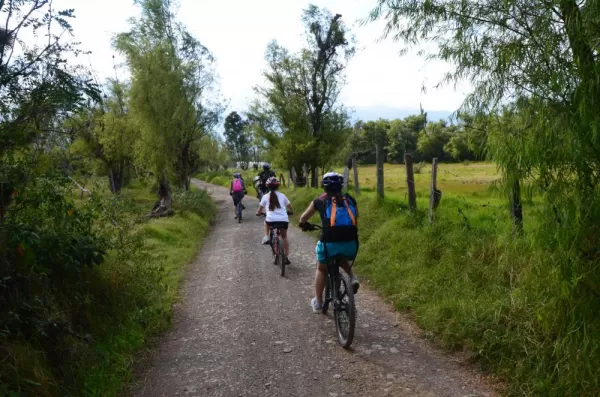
(344, 311)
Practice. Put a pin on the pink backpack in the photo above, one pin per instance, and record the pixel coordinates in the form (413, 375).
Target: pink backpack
(237, 186)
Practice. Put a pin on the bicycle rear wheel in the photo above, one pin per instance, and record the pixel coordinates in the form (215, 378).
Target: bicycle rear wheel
(239, 211)
(281, 257)
(344, 311)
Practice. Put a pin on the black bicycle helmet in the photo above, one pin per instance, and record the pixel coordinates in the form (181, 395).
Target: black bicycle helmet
(266, 166)
(332, 180)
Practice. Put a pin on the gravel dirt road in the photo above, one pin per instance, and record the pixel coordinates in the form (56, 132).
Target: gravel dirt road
(242, 330)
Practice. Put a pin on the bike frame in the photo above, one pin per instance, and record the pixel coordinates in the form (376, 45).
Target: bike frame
(239, 211)
(276, 249)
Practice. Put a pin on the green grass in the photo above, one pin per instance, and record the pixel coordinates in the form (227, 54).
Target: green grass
(472, 287)
(169, 244)
(130, 298)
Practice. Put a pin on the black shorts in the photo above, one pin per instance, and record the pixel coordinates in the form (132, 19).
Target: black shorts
(278, 225)
(237, 196)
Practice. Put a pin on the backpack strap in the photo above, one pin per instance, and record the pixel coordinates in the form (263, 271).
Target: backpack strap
(349, 212)
(334, 211)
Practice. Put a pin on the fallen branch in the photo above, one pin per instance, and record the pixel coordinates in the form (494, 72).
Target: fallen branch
(81, 188)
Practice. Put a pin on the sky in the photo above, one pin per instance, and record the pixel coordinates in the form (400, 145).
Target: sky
(379, 81)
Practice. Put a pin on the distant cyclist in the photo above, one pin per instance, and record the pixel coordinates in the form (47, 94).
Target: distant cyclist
(237, 190)
(263, 176)
(339, 237)
(277, 206)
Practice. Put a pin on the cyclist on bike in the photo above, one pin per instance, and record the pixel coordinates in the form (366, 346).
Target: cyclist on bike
(277, 206)
(237, 190)
(339, 236)
(263, 177)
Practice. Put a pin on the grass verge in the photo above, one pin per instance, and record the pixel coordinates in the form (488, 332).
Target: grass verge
(128, 299)
(472, 287)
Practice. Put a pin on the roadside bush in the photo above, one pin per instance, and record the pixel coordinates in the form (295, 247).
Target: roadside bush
(195, 201)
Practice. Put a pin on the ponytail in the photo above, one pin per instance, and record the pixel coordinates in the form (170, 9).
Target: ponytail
(273, 201)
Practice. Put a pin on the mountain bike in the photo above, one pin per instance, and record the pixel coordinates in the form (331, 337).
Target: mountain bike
(276, 244)
(338, 289)
(239, 207)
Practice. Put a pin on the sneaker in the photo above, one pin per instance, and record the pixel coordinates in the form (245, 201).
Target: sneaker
(316, 306)
(355, 284)
(235, 217)
(243, 207)
(265, 240)
(287, 261)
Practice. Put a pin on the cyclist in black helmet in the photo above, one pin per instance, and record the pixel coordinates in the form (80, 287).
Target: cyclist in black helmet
(263, 177)
(339, 237)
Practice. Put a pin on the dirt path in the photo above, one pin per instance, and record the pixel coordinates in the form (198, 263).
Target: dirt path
(242, 330)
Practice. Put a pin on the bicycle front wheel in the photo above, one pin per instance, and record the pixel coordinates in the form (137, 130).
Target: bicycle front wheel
(344, 311)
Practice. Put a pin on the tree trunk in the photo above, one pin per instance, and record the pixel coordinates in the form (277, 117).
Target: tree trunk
(314, 174)
(516, 210)
(163, 207)
(115, 180)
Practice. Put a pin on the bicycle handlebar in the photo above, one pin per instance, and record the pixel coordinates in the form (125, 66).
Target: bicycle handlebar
(264, 214)
(309, 227)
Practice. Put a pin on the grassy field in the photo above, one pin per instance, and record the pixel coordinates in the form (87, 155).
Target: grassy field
(469, 283)
(129, 299)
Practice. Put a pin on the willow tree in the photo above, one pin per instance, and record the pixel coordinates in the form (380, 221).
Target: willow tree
(541, 58)
(534, 65)
(107, 134)
(302, 92)
(324, 59)
(173, 92)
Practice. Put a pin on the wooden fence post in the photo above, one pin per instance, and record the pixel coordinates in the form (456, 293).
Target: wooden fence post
(434, 194)
(410, 181)
(346, 176)
(516, 210)
(379, 159)
(355, 168)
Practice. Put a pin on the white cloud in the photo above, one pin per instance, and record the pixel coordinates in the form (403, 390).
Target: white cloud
(238, 31)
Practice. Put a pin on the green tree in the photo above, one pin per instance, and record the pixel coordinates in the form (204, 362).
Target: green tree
(324, 62)
(38, 89)
(237, 138)
(432, 140)
(541, 56)
(534, 68)
(173, 96)
(108, 134)
(403, 136)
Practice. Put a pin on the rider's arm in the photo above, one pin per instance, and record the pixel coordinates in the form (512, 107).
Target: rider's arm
(262, 205)
(288, 204)
(310, 211)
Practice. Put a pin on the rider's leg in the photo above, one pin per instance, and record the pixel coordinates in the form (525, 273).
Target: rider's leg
(320, 279)
(344, 264)
(265, 239)
(286, 246)
(353, 279)
(286, 242)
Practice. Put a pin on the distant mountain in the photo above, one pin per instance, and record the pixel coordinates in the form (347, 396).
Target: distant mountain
(382, 112)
